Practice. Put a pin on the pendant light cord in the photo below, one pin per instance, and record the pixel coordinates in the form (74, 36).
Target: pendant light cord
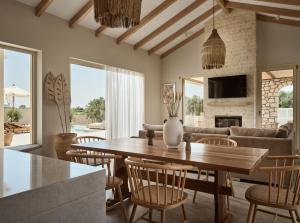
(213, 14)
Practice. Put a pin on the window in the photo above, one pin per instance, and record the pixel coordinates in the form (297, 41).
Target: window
(16, 78)
(88, 93)
(193, 113)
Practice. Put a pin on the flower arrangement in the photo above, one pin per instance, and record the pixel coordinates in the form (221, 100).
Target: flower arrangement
(172, 100)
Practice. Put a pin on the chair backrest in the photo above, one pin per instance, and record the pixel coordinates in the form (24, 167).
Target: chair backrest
(156, 184)
(94, 158)
(84, 139)
(217, 141)
(284, 180)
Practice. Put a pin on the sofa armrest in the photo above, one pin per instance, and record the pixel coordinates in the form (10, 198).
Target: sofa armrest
(277, 146)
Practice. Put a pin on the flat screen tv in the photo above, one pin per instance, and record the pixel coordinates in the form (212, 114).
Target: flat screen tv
(227, 87)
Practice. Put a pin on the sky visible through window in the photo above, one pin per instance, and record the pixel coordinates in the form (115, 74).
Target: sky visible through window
(192, 89)
(87, 83)
(17, 69)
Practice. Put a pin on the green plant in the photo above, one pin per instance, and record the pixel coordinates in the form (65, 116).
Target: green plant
(285, 99)
(194, 105)
(95, 110)
(14, 115)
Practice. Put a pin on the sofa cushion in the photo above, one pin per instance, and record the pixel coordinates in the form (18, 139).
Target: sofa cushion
(255, 132)
(288, 127)
(220, 131)
(282, 133)
(152, 127)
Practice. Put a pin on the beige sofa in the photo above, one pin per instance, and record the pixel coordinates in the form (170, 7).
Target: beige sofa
(278, 141)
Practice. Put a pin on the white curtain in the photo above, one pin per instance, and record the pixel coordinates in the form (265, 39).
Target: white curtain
(124, 108)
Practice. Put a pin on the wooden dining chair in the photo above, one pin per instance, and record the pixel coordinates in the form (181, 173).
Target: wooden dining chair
(157, 187)
(282, 191)
(85, 139)
(217, 141)
(106, 161)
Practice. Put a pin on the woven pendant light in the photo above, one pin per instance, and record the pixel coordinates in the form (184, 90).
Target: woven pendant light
(213, 50)
(118, 13)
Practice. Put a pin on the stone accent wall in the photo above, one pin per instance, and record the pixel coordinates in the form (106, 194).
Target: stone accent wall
(238, 30)
(270, 100)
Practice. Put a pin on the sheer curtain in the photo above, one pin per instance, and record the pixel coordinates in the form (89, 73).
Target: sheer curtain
(124, 112)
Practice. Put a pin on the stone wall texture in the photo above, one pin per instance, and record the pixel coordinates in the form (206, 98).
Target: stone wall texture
(238, 30)
(270, 100)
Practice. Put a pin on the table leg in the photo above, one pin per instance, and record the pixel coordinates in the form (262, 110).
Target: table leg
(221, 214)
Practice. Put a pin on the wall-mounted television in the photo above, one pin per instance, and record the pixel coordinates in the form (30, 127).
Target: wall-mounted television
(227, 87)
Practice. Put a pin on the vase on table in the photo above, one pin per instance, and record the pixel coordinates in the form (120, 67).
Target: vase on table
(173, 132)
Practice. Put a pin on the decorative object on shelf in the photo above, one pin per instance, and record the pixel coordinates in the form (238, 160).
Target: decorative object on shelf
(169, 88)
(187, 137)
(150, 134)
(172, 130)
(118, 13)
(213, 50)
(57, 92)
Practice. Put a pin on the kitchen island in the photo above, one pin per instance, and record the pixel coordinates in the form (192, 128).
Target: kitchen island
(39, 189)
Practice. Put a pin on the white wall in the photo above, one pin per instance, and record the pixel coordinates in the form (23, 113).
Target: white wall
(58, 43)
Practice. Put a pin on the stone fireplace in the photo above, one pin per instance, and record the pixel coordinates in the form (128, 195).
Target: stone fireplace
(227, 121)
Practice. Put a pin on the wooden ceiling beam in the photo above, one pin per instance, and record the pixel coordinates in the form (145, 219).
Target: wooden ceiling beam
(42, 7)
(100, 30)
(271, 75)
(264, 9)
(184, 29)
(81, 13)
(146, 19)
(169, 23)
(272, 19)
(286, 2)
(181, 44)
(222, 4)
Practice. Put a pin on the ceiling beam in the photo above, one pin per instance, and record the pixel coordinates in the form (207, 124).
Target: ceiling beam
(271, 75)
(272, 19)
(184, 29)
(286, 2)
(100, 30)
(146, 19)
(222, 4)
(264, 9)
(169, 23)
(181, 44)
(81, 13)
(42, 7)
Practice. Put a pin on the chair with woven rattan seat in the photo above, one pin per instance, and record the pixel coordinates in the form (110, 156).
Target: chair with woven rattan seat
(105, 161)
(85, 139)
(157, 187)
(282, 191)
(217, 142)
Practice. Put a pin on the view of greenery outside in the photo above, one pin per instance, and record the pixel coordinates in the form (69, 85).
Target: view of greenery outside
(194, 105)
(94, 110)
(286, 99)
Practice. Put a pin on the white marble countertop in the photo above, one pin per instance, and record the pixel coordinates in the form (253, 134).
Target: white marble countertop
(20, 172)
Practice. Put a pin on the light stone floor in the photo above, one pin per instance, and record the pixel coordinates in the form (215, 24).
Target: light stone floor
(202, 211)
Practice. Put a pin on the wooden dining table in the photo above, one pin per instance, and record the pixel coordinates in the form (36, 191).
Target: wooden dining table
(220, 159)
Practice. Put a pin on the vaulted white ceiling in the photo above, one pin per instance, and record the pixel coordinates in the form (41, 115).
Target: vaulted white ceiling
(67, 9)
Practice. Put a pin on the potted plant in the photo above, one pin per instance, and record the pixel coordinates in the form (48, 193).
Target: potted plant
(173, 129)
(14, 115)
(57, 92)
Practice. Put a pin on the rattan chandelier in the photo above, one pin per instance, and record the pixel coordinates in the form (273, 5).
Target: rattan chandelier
(118, 13)
(213, 50)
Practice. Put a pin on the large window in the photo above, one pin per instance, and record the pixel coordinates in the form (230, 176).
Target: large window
(88, 92)
(16, 78)
(193, 113)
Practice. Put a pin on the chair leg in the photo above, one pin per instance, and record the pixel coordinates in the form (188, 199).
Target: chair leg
(297, 214)
(195, 192)
(118, 188)
(133, 213)
(228, 202)
(293, 216)
(163, 216)
(150, 215)
(184, 213)
(254, 214)
(250, 213)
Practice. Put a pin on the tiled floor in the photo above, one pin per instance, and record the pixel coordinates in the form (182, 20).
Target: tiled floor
(203, 210)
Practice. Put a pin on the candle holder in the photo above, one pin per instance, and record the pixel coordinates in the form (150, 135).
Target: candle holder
(150, 134)
(187, 139)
